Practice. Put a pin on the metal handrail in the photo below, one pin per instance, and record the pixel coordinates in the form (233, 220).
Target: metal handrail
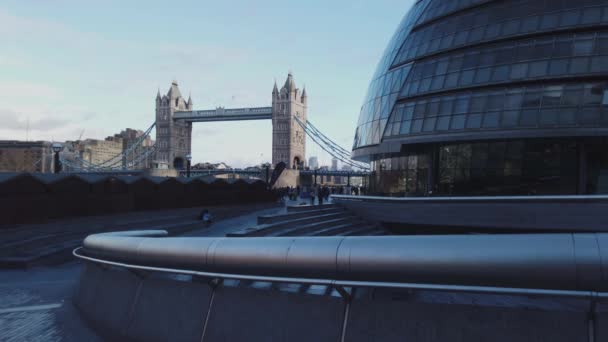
(572, 262)
(363, 284)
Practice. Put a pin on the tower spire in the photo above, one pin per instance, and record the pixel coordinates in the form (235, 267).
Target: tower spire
(275, 90)
(289, 83)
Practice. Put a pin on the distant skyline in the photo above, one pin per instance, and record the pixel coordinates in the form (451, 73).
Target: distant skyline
(68, 66)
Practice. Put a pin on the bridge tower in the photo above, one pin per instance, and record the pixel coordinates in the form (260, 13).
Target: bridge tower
(288, 138)
(173, 138)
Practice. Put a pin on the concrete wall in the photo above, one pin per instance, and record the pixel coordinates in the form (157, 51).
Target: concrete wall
(122, 305)
(162, 172)
(546, 213)
(289, 177)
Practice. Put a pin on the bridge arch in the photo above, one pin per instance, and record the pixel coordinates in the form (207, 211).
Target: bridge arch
(178, 163)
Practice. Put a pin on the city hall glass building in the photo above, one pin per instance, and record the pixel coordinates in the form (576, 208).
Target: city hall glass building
(478, 97)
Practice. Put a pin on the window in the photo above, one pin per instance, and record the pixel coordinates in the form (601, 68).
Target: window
(461, 105)
(458, 122)
(474, 121)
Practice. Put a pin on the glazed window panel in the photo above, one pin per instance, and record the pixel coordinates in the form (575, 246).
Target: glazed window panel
(458, 122)
(510, 118)
(536, 58)
(549, 105)
(529, 117)
(474, 121)
(504, 19)
(443, 123)
(549, 117)
(491, 120)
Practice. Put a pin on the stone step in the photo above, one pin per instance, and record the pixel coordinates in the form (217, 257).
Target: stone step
(42, 240)
(267, 229)
(265, 219)
(300, 208)
(362, 231)
(35, 232)
(308, 228)
(59, 250)
(337, 230)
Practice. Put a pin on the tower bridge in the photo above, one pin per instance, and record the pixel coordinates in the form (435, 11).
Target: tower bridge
(223, 114)
(175, 116)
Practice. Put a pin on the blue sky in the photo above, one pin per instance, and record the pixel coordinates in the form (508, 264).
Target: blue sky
(68, 66)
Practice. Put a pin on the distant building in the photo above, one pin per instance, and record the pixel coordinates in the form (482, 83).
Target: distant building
(313, 163)
(334, 164)
(99, 151)
(134, 159)
(25, 156)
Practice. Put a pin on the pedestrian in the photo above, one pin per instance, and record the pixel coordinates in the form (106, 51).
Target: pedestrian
(312, 195)
(206, 217)
(320, 194)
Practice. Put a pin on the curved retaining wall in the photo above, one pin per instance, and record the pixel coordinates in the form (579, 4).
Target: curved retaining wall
(137, 306)
(128, 296)
(484, 214)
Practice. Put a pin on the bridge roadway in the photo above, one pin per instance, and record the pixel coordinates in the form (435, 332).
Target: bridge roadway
(225, 114)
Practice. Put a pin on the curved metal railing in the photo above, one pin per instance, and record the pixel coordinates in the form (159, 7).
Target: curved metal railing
(537, 264)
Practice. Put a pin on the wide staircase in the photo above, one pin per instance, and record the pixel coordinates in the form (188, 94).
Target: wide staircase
(312, 220)
(50, 243)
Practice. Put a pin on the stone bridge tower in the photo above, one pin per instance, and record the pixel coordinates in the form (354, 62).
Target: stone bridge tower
(173, 138)
(288, 138)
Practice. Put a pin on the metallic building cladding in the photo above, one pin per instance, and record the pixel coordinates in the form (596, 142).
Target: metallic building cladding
(472, 70)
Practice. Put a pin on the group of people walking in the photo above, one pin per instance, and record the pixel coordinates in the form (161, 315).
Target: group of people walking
(317, 193)
(321, 192)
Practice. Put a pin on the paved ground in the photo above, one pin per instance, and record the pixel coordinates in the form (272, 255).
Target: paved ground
(36, 304)
(234, 224)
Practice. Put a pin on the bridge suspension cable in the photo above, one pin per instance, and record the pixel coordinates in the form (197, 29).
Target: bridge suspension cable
(119, 157)
(329, 145)
(118, 161)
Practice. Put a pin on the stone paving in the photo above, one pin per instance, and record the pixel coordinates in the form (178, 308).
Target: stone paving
(36, 303)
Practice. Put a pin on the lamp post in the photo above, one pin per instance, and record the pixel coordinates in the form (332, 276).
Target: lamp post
(57, 147)
(267, 167)
(188, 160)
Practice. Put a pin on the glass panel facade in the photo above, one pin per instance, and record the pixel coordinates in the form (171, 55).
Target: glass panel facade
(405, 175)
(382, 91)
(518, 167)
(580, 54)
(500, 19)
(533, 106)
(474, 78)
(439, 8)
(496, 168)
